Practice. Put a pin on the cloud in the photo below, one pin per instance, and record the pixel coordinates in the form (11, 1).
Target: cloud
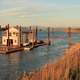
(10, 11)
(38, 11)
(30, 10)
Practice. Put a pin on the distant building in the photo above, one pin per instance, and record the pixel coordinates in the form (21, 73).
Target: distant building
(28, 36)
(14, 37)
(31, 36)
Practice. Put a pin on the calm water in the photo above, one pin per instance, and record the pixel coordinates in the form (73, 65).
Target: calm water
(12, 65)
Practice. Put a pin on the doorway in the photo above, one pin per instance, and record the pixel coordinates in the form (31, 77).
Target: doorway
(9, 42)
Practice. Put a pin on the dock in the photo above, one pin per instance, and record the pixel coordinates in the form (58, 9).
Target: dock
(18, 36)
(8, 50)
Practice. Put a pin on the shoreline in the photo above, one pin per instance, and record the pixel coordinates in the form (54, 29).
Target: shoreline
(63, 68)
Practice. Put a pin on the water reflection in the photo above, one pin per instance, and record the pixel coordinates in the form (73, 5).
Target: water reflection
(13, 66)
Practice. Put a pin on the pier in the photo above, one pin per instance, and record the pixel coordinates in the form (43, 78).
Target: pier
(8, 50)
(12, 39)
(27, 38)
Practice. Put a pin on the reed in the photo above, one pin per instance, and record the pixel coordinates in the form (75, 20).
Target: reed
(66, 68)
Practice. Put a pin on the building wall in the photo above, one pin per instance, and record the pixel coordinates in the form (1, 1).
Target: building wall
(4, 40)
(13, 34)
(31, 37)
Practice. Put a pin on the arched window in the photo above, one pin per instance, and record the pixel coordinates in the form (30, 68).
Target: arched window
(14, 33)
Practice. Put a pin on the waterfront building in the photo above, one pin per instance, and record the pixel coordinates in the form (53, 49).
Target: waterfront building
(13, 37)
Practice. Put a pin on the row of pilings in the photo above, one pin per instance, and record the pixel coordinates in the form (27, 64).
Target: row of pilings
(36, 29)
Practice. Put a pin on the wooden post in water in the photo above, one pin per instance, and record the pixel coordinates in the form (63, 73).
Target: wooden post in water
(36, 33)
(69, 37)
(53, 35)
(20, 36)
(0, 26)
(8, 41)
(32, 30)
(49, 43)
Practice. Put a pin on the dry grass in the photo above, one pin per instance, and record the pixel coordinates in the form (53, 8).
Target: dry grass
(66, 68)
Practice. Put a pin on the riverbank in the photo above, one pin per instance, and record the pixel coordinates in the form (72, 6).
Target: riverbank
(65, 68)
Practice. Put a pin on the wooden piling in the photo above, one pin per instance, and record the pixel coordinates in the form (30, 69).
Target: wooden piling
(30, 28)
(69, 37)
(53, 35)
(8, 36)
(49, 43)
(0, 26)
(33, 32)
(36, 33)
(20, 36)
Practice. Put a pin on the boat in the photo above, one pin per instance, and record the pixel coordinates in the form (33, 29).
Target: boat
(27, 48)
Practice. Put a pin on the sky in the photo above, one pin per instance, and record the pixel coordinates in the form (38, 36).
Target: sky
(59, 13)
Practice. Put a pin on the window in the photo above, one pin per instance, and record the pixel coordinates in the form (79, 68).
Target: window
(14, 33)
(4, 40)
(15, 41)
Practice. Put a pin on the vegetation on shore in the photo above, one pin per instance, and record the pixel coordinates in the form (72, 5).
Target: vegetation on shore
(66, 68)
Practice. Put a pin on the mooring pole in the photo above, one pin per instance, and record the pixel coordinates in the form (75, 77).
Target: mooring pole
(30, 28)
(36, 33)
(20, 36)
(49, 36)
(8, 41)
(69, 36)
(33, 34)
(53, 35)
(0, 26)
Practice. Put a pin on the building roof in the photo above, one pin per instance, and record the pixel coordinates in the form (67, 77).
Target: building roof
(12, 29)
